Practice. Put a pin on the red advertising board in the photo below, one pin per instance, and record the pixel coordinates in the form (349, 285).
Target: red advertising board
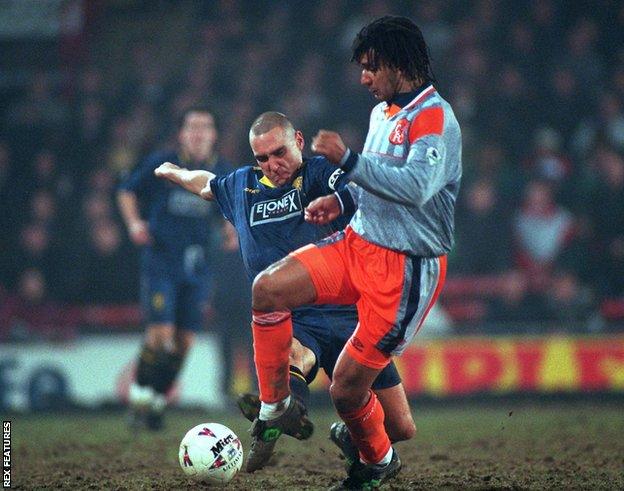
(549, 364)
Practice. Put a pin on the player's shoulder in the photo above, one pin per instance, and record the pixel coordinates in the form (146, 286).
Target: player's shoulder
(315, 168)
(317, 164)
(247, 171)
(239, 176)
(320, 173)
(379, 110)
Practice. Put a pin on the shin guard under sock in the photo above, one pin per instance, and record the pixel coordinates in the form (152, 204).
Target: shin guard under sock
(167, 367)
(272, 337)
(146, 367)
(366, 426)
(299, 385)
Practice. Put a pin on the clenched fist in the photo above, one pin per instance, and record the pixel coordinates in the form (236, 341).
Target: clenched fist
(330, 145)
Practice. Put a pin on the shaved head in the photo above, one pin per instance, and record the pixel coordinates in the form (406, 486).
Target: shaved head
(268, 121)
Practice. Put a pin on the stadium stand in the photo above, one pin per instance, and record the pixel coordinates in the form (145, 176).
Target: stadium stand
(539, 93)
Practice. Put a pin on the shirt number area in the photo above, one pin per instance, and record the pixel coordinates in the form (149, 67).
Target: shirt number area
(276, 210)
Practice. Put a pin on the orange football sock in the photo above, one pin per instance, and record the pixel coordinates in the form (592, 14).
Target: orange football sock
(272, 337)
(366, 426)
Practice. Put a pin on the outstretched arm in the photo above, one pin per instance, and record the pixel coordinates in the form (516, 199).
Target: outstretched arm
(195, 181)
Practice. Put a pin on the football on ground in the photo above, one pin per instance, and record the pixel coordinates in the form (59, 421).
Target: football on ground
(211, 453)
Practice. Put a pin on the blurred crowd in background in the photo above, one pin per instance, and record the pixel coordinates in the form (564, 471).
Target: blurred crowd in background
(537, 86)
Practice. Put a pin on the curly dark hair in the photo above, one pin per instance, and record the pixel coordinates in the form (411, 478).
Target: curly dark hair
(395, 42)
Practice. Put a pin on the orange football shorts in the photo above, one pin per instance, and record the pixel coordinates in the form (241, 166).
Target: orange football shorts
(393, 292)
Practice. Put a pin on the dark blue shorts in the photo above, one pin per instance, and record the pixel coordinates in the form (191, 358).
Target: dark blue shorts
(170, 296)
(325, 336)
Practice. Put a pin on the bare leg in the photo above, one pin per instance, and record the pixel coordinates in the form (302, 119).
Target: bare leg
(283, 286)
(279, 288)
(399, 423)
(359, 407)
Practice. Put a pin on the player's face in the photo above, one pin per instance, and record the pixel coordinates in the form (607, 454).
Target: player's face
(384, 83)
(278, 153)
(198, 135)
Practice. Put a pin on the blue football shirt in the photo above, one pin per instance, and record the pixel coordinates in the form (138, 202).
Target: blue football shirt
(270, 220)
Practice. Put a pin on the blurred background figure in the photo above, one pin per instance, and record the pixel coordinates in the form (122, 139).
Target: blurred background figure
(483, 234)
(30, 314)
(177, 232)
(516, 309)
(570, 303)
(542, 230)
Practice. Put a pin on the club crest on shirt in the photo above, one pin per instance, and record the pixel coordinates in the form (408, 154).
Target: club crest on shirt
(276, 210)
(397, 135)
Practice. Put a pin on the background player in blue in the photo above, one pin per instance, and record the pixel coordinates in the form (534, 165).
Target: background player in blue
(265, 204)
(174, 230)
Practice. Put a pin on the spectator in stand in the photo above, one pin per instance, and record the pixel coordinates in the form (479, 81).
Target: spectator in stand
(494, 164)
(561, 97)
(438, 32)
(30, 314)
(33, 249)
(104, 267)
(583, 58)
(571, 305)
(515, 309)
(607, 214)
(511, 94)
(547, 161)
(542, 230)
(521, 50)
(96, 206)
(546, 20)
(43, 209)
(606, 124)
(479, 220)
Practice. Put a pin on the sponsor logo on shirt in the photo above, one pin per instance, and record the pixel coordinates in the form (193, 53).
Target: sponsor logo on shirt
(397, 135)
(276, 210)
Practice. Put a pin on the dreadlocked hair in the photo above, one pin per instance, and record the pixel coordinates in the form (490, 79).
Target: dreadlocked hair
(395, 42)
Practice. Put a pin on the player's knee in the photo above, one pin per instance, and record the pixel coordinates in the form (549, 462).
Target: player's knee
(265, 293)
(338, 397)
(346, 398)
(160, 336)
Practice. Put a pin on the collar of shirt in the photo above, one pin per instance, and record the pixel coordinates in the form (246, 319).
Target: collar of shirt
(401, 100)
(264, 180)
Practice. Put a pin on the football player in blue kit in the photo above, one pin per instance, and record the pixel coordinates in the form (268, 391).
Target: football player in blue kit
(266, 203)
(175, 231)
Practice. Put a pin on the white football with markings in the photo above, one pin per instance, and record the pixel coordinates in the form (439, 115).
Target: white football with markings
(211, 453)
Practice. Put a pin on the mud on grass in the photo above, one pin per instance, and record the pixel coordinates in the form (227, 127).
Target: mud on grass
(565, 446)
